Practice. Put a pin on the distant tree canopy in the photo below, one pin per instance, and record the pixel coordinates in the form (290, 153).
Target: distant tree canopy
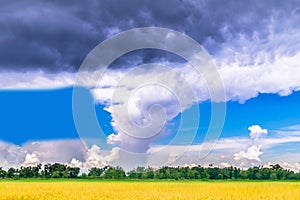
(57, 170)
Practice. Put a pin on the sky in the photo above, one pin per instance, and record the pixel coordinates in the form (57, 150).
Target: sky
(150, 106)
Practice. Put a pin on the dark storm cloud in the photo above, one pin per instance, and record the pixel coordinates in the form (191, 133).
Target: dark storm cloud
(57, 35)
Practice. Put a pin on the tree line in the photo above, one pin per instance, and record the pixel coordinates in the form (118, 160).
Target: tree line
(57, 170)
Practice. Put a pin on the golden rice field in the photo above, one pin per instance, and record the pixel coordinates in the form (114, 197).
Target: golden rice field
(148, 190)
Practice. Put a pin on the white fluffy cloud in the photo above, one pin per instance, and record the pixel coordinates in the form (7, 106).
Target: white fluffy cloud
(277, 77)
(254, 151)
(76, 154)
(145, 100)
(31, 160)
(256, 131)
(71, 152)
(236, 151)
(97, 158)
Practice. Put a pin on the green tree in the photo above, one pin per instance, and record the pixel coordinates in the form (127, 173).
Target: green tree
(84, 176)
(11, 172)
(72, 172)
(273, 176)
(2, 173)
(114, 173)
(96, 172)
(59, 169)
(56, 174)
(47, 172)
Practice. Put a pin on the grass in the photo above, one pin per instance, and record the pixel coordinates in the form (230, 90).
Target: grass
(136, 180)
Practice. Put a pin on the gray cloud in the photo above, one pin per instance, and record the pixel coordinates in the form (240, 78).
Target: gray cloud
(57, 35)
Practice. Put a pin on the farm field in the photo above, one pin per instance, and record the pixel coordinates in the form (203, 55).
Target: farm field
(27, 190)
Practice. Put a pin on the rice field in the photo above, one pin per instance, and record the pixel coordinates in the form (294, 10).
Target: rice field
(148, 190)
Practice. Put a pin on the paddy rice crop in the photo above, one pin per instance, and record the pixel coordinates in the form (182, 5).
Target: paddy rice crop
(148, 190)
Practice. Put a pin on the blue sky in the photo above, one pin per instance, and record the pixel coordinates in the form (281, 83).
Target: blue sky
(52, 51)
(40, 117)
(33, 115)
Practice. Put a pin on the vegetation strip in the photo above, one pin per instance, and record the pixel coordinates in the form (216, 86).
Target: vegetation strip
(59, 171)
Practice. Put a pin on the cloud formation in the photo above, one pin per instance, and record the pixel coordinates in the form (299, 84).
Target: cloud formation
(254, 151)
(255, 47)
(71, 152)
(57, 35)
(143, 115)
(95, 157)
(76, 154)
(31, 160)
(256, 131)
(234, 151)
(240, 83)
